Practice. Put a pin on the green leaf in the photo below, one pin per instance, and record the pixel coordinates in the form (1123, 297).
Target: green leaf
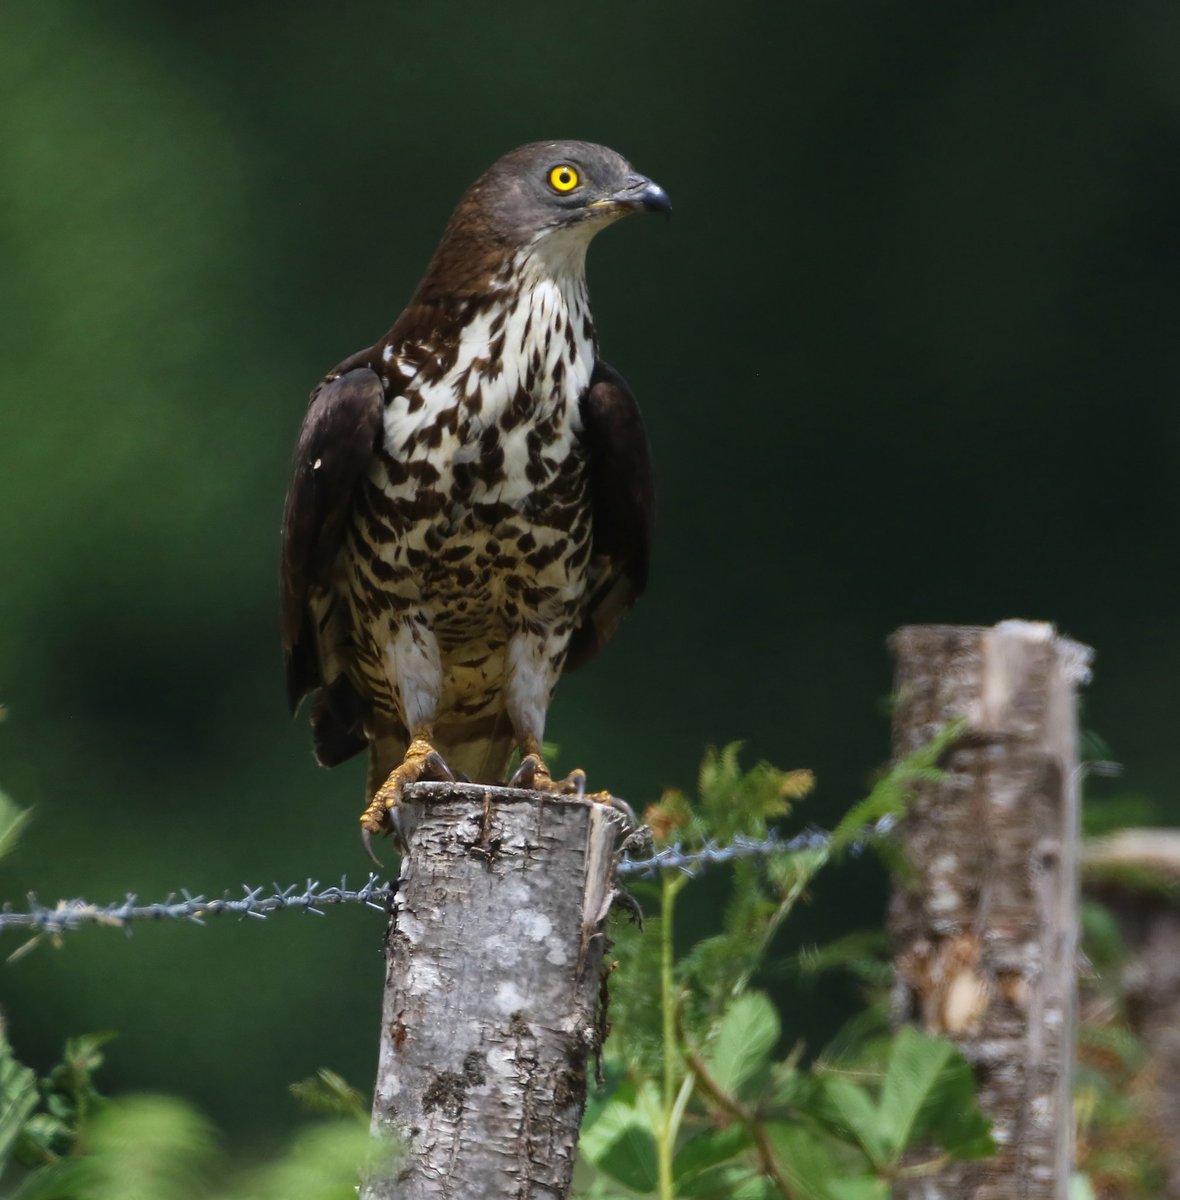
(864, 954)
(951, 1116)
(805, 1161)
(929, 1094)
(632, 1160)
(12, 823)
(145, 1148)
(1080, 1187)
(729, 1181)
(44, 1139)
(733, 802)
(860, 1116)
(329, 1093)
(791, 873)
(708, 1149)
(748, 1032)
(858, 1189)
(324, 1162)
(620, 1141)
(915, 1063)
(1101, 937)
(891, 793)
(18, 1099)
(788, 1086)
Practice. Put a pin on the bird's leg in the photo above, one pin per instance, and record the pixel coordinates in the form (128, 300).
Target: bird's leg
(422, 761)
(534, 661)
(534, 658)
(416, 671)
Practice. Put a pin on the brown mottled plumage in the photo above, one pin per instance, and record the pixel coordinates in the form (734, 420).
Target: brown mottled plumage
(471, 503)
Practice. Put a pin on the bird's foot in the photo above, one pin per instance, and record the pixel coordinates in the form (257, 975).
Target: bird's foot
(533, 775)
(422, 762)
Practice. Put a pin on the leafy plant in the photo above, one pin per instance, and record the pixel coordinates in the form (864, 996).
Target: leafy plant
(12, 823)
(61, 1140)
(55, 1107)
(76, 1145)
(700, 1103)
(1121, 1138)
(701, 1100)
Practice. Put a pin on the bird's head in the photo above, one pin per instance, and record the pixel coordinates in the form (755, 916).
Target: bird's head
(546, 199)
(554, 192)
(546, 186)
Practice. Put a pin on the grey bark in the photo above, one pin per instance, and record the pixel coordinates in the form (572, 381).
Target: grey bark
(491, 1010)
(986, 928)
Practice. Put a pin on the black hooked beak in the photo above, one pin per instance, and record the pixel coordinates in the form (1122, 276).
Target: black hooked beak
(639, 194)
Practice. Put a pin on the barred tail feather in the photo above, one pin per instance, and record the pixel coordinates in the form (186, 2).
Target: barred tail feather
(337, 724)
(479, 749)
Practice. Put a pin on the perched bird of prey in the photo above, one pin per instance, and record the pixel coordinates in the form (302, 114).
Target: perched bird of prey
(470, 512)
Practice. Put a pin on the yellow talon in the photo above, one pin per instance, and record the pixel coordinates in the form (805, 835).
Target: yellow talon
(421, 761)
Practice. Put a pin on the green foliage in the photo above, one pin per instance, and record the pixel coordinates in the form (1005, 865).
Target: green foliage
(138, 1148)
(18, 1100)
(12, 823)
(746, 1034)
(863, 954)
(42, 1118)
(157, 1148)
(328, 1093)
(322, 1163)
(891, 792)
(60, 1140)
(925, 1096)
(701, 1101)
(1121, 1140)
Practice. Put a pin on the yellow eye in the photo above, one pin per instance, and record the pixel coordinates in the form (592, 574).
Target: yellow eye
(563, 178)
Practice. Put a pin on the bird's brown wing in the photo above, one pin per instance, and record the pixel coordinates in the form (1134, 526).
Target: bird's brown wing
(340, 435)
(621, 509)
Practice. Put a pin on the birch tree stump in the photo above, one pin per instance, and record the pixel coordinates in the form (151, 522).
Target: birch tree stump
(986, 929)
(491, 1010)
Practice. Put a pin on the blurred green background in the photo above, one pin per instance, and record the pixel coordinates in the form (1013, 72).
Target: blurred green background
(908, 352)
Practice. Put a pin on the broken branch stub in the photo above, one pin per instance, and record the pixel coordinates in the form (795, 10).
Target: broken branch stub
(493, 964)
(985, 927)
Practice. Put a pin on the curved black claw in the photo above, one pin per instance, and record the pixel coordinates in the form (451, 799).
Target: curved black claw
(626, 903)
(367, 842)
(525, 776)
(621, 806)
(435, 769)
(394, 827)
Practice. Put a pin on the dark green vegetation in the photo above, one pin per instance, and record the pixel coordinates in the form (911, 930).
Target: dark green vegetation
(695, 1101)
(907, 352)
(701, 1103)
(696, 1097)
(61, 1140)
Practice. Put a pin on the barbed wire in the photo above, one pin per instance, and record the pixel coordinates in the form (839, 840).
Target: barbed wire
(70, 914)
(259, 903)
(689, 862)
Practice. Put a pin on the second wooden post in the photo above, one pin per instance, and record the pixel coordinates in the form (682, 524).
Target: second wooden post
(986, 925)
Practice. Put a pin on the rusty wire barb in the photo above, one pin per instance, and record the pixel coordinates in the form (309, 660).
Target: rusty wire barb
(375, 893)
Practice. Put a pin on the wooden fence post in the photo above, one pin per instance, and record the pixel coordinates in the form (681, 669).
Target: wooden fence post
(491, 1011)
(986, 927)
(1135, 873)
